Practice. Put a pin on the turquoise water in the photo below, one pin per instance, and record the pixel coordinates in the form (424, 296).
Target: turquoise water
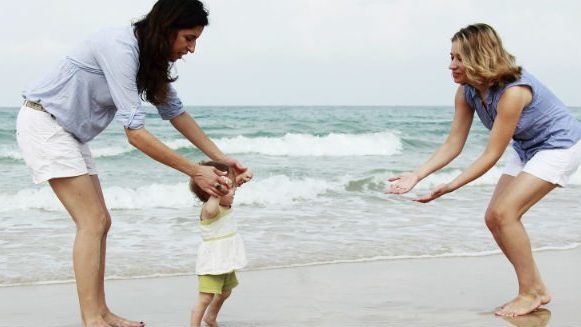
(317, 196)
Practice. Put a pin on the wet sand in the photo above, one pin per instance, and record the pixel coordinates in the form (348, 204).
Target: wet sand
(459, 291)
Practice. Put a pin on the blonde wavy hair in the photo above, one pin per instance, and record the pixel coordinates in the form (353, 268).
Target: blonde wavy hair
(485, 60)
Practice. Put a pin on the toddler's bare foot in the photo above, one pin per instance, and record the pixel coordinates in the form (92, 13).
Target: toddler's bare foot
(115, 321)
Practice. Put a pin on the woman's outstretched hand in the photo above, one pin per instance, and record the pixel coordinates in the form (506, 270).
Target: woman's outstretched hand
(213, 181)
(235, 164)
(243, 173)
(402, 183)
(437, 192)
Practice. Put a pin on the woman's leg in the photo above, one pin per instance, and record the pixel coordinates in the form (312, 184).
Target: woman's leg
(513, 197)
(204, 300)
(82, 201)
(110, 317)
(214, 308)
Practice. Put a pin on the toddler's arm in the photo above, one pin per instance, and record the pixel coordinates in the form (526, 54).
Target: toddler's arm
(211, 208)
(244, 177)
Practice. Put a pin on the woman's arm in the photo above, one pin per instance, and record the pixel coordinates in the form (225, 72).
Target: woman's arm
(206, 177)
(186, 125)
(449, 150)
(509, 109)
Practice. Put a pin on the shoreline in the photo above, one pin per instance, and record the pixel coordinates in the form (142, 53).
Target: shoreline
(314, 264)
(450, 291)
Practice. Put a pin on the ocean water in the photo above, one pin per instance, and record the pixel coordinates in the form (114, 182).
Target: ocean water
(317, 197)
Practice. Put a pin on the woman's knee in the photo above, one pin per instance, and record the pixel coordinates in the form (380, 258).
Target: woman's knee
(499, 215)
(108, 222)
(97, 224)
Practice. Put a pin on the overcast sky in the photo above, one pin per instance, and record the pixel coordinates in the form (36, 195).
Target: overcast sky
(309, 52)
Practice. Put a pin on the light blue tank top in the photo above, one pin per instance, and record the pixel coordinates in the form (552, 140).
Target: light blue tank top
(545, 123)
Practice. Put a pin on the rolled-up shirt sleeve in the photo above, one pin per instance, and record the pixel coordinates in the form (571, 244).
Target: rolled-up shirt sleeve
(119, 61)
(173, 106)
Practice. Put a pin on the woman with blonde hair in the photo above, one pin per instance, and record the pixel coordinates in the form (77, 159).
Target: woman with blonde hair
(545, 150)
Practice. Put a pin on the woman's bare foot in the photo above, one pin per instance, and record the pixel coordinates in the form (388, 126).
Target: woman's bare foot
(99, 322)
(521, 305)
(543, 293)
(115, 321)
(545, 298)
(537, 318)
(211, 321)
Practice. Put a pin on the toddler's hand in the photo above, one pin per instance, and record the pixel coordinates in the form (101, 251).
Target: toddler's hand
(244, 177)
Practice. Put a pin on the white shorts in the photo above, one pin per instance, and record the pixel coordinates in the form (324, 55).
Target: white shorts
(554, 166)
(48, 150)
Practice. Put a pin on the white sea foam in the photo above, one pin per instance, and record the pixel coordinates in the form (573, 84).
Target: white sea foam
(334, 144)
(281, 190)
(384, 143)
(412, 257)
(274, 190)
(25, 199)
(10, 152)
(111, 151)
(490, 178)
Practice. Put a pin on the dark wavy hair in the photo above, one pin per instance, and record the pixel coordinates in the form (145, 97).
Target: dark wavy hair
(155, 34)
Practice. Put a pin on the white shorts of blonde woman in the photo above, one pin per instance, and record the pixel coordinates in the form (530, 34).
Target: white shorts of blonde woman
(555, 166)
(48, 150)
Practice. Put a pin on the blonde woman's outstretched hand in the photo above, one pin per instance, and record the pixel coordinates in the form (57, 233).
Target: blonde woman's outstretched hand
(436, 192)
(402, 183)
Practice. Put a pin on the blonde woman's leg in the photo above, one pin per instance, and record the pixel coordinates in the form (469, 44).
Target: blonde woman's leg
(514, 197)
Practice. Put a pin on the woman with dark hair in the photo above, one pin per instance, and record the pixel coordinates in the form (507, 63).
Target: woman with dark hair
(104, 79)
(545, 152)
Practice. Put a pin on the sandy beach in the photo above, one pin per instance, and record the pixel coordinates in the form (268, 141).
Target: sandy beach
(419, 292)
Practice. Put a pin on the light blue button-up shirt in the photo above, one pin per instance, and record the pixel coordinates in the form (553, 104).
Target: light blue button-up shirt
(97, 83)
(544, 124)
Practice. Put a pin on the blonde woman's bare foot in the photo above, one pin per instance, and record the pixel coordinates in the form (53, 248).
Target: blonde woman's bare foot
(521, 305)
(537, 318)
(543, 293)
(211, 321)
(115, 321)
